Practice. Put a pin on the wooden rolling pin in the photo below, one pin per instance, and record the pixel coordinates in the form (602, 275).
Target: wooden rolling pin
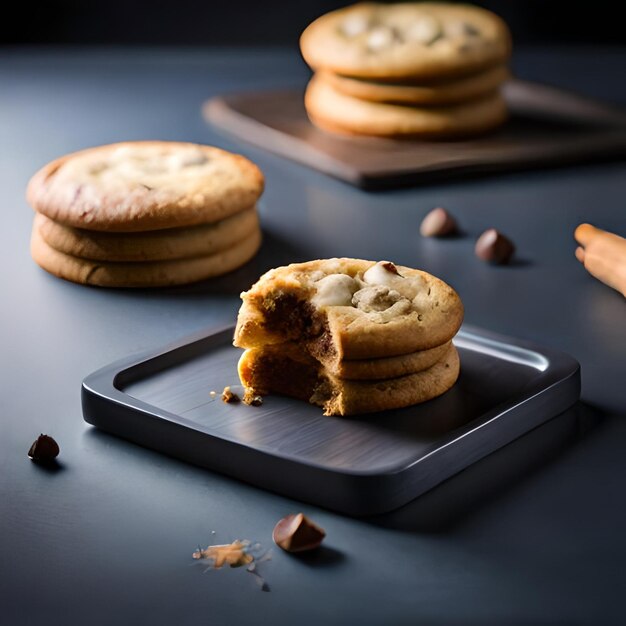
(603, 254)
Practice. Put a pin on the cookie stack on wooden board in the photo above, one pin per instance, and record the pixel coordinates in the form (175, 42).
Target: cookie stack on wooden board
(349, 335)
(145, 214)
(420, 69)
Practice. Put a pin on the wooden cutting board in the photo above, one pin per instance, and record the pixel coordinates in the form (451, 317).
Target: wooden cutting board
(548, 127)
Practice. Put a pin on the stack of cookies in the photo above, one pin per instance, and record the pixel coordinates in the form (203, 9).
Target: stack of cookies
(418, 69)
(145, 214)
(349, 335)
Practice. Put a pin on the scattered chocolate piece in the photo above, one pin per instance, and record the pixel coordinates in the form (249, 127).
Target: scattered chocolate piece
(438, 223)
(230, 396)
(297, 533)
(44, 450)
(493, 247)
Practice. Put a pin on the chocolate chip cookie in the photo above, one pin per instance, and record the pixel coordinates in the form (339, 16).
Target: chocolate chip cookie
(145, 185)
(406, 40)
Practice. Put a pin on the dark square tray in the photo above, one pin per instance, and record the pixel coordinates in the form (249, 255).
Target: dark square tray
(548, 127)
(360, 465)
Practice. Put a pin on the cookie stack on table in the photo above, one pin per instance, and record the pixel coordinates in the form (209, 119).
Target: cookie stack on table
(349, 335)
(145, 214)
(419, 69)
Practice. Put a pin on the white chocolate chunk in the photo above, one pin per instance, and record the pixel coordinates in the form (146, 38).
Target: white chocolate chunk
(189, 160)
(423, 301)
(316, 275)
(379, 38)
(169, 165)
(401, 307)
(379, 274)
(354, 25)
(425, 30)
(375, 298)
(334, 290)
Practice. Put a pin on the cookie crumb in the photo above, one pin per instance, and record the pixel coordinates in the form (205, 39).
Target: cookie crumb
(252, 399)
(229, 396)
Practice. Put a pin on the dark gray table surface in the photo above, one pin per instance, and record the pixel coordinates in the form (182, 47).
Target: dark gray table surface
(533, 534)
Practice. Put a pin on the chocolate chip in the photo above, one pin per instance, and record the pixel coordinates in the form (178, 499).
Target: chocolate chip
(297, 533)
(44, 449)
(438, 223)
(390, 267)
(492, 246)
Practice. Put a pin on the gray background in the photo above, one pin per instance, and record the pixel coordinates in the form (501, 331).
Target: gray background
(531, 535)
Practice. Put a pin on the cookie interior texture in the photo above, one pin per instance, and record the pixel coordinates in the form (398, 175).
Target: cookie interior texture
(272, 369)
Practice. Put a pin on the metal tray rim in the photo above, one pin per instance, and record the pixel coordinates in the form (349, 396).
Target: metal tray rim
(102, 383)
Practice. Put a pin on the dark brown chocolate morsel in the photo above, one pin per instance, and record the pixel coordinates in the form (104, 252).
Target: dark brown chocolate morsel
(44, 449)
(297, 533)
(438, 223)
(390, 267)
(494, 247)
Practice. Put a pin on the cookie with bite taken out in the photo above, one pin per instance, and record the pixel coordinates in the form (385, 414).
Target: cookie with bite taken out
(350, 335)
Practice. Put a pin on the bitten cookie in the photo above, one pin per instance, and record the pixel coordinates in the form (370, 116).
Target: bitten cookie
(142, 274)
(145, 185)
(349, 309)
(416, 40)
(339, 113)
(425, 93)
(154, 245)
(270, 369)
